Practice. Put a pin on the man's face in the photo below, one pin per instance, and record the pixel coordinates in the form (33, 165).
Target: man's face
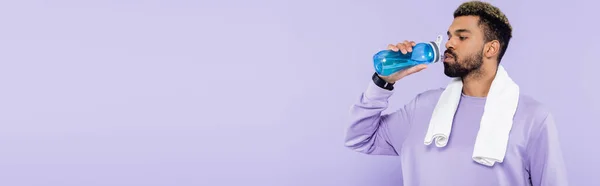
(464, 48)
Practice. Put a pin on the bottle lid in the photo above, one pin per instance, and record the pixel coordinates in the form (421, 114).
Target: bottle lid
(437, 49)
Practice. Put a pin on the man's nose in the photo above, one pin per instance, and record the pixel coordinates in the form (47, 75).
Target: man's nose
(450, 44)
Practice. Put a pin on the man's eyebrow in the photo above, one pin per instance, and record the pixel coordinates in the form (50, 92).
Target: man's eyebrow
(459, 31)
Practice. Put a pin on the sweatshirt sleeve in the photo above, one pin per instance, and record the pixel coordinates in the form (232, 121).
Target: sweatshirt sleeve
(545, 157)
(370, 131)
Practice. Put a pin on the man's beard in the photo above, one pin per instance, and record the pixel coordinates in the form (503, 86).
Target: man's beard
(461, 69)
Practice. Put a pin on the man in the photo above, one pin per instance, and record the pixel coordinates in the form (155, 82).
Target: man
(478, 38)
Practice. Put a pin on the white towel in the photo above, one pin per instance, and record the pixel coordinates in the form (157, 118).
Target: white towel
(496, 122)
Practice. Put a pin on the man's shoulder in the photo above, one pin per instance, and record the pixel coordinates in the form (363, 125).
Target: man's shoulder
(429, 96)
(532, 107)
(533, 115)
(435, 92)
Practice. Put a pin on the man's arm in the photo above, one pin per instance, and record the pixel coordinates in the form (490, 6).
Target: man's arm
(370, 132)
(546, 162)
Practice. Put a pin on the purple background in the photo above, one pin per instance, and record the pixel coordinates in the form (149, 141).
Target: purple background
(176, 92)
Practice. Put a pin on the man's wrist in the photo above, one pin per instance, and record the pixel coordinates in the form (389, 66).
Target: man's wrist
(381, 83)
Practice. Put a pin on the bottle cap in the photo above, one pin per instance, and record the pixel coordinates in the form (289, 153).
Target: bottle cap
(437, 49)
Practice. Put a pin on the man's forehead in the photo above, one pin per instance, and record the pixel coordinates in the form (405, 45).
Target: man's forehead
(462, 23)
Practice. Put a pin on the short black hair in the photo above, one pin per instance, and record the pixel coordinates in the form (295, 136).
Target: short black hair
(494, 22)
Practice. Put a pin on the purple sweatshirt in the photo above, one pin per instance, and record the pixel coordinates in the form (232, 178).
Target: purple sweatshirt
(533, 154)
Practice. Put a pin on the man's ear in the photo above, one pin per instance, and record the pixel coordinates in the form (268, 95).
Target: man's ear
(491, 49)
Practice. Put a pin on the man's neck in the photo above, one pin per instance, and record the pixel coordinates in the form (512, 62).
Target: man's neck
(478, 83)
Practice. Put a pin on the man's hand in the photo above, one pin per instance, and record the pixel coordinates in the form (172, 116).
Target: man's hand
(404, 48)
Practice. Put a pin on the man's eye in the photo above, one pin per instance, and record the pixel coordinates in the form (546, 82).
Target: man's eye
(462, 38)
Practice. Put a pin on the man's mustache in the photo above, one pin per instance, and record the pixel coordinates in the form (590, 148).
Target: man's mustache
(449, 53)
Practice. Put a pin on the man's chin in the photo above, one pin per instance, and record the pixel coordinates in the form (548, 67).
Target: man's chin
(451, 75)
(450, 71)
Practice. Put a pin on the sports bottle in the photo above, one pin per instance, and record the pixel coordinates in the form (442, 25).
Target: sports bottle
(386, 62)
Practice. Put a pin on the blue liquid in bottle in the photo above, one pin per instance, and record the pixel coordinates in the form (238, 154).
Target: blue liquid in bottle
(387, 62)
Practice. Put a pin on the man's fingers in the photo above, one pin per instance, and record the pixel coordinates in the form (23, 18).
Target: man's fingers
(402, 48)
(421, 67)
(416, 69)
(392, 47)
(408, 46)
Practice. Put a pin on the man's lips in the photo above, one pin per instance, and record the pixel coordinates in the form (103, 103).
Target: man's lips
(447, 57)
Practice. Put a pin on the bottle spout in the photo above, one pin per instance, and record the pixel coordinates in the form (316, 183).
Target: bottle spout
(438, 48)
(438, 40)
